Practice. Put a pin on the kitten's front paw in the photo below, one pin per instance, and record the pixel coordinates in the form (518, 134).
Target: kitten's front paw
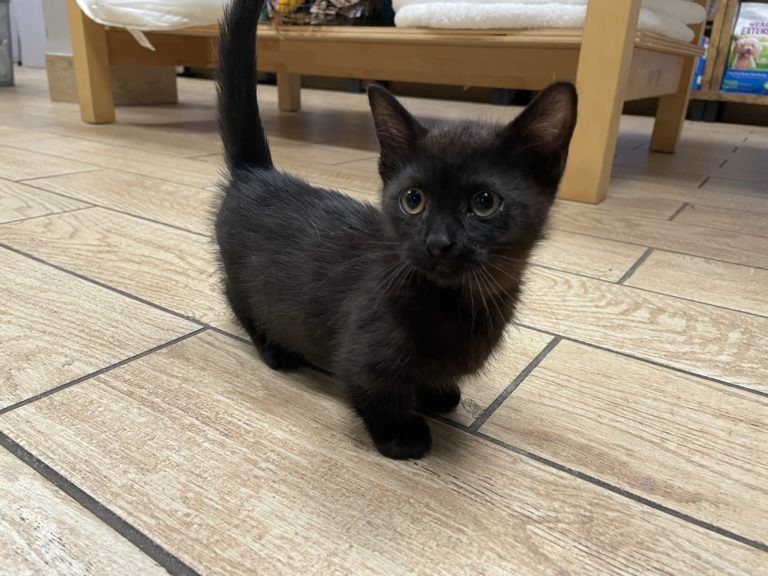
(438, 400)
(408, 439)
(278, 358)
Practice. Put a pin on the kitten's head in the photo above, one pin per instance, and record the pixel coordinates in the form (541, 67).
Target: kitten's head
(465, 197)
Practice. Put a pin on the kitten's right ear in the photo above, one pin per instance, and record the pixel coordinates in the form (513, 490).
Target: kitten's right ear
(396, 130)
(546, 126)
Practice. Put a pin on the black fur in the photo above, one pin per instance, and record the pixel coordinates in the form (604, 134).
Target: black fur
(397, 306)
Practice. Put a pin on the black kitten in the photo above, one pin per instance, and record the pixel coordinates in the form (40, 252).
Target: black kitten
(398, 302)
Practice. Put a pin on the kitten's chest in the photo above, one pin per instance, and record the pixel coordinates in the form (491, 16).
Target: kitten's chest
(450, 337)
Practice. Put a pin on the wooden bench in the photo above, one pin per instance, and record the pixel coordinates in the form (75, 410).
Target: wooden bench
(610, 60)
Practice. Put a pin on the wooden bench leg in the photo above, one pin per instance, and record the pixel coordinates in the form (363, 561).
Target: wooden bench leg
(670, 115)
(288, 92)
(91, 60)
(604, 62)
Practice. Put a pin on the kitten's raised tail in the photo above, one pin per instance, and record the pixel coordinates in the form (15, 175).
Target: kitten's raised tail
(245, 144)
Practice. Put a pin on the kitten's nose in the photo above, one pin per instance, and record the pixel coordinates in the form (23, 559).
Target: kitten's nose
(438, 244)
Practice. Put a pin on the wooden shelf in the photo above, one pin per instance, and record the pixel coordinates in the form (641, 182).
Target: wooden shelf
(719, 48)
(716, 96)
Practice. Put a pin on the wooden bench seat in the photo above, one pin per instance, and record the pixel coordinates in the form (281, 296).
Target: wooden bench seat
(610, 61)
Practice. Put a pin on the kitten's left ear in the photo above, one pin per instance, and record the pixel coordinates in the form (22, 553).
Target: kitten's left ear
(546, 126)
(396, 130)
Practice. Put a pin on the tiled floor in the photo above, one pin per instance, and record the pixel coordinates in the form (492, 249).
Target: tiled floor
(622, 429)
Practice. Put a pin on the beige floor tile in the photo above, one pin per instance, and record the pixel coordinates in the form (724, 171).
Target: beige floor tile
(173, 139)
(365, 168)
(730, 285)
(747, 163)
(670, 164)
(714, 196)
(755, 180)
(647, 205)
(680, 176)
(317, 154)
(586, 255)
(730, 246)
(16, 164)
(691, 150)
(19, 201)
(9, 136)
(735, 186)
(183, 206)
(695, 446)
(273, 472)
(42, 531)
(147, 163)
(24, 122)
(723, 219)
(518, 348)
(173, 268)
(55, 328)
(337, 177)
(334, 177)
(709, 341)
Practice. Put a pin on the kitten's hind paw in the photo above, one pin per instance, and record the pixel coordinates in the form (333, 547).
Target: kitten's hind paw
(438, 400)
(278, 358)
(410, 438)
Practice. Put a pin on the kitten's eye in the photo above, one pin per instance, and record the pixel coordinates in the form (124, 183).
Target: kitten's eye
(485, 204)
(412, 201)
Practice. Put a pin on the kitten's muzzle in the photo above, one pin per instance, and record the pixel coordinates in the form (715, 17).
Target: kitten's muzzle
(438, 244)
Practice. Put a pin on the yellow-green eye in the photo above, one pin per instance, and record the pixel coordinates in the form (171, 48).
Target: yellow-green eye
(412, 201)
(485, 204)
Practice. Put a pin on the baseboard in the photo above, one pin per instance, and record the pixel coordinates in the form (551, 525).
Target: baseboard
(131, 85)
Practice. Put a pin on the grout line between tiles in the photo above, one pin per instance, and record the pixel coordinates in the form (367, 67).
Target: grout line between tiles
(501, 398)
(134, 173)
(172, 564)
(98, 142)
(99, 372)
(711, 379)
(50, 214)
(373, 156)
(103, 285)
(92, 168)
(195, 321)
(632, 269)
(474, 431)
(205, 325)
(672, 250)
(223, 332)
(32, 184)
(535, 264)
(152, 220)
(686, 299)
(677, 212)
(614, 489)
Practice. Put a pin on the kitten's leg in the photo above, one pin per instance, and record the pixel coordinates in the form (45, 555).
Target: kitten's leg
(386, 408)
(272, 354)
(438, 399)
(275, 356)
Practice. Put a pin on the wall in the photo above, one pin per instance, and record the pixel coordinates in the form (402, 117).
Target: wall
(30, 30)
(57, 26)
